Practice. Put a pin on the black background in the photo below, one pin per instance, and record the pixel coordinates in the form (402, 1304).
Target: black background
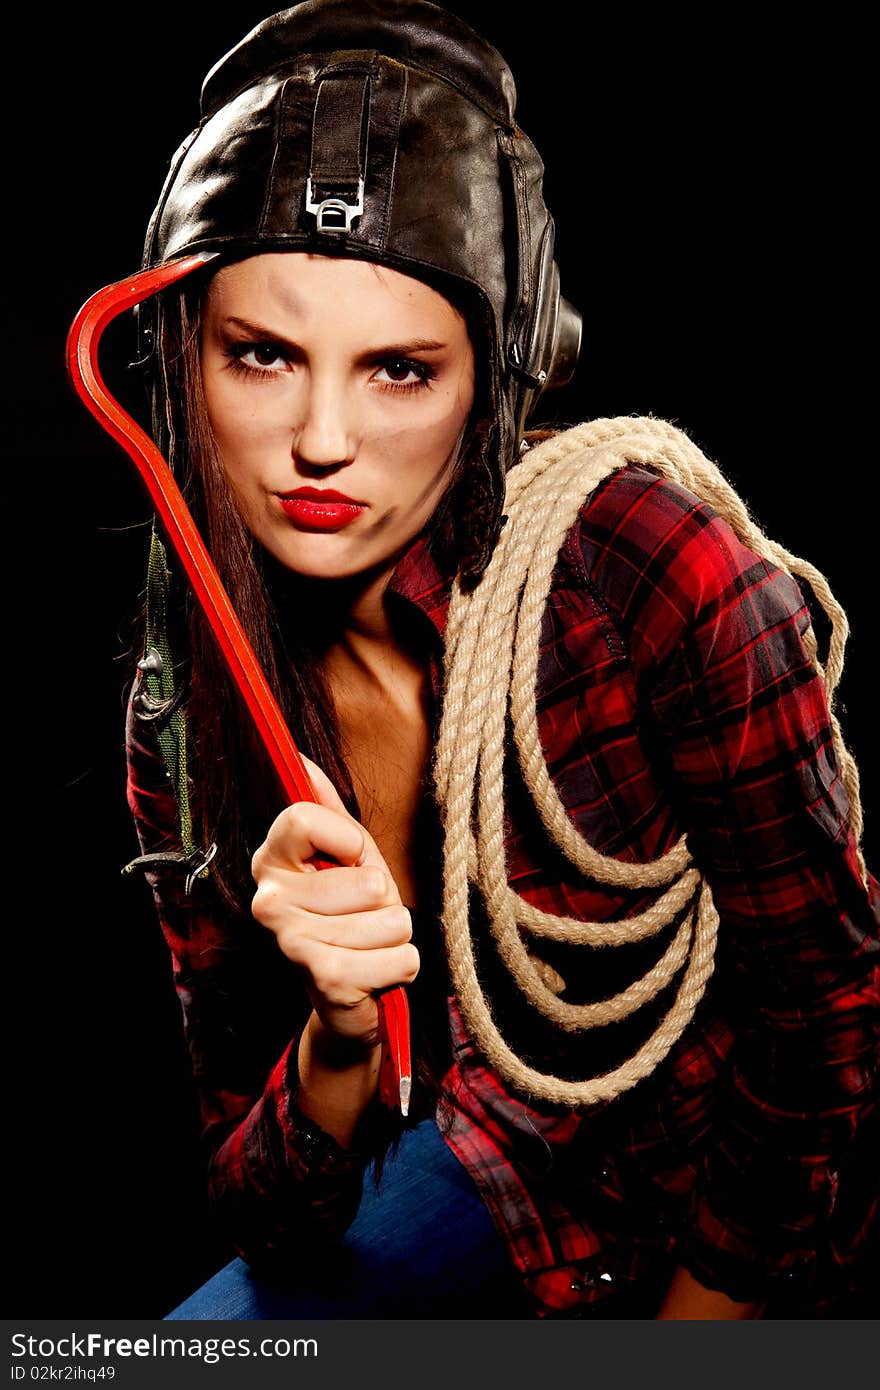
(707, 183)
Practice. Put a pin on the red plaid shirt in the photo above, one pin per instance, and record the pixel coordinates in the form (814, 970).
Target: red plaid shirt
(674, 695)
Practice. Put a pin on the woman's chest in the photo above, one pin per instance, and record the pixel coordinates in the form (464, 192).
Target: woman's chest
(387, 750)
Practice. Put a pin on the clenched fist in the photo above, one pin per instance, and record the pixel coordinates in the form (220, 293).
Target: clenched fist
(345, 928)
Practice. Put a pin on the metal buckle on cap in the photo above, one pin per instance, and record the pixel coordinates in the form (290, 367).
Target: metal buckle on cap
(533, 379)
(330, 210)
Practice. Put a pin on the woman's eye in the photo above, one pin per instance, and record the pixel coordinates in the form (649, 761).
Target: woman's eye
(401, 372)
(260, 359)
(263, 354)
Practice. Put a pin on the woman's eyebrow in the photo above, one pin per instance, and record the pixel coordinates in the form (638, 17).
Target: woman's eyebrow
(398, 349)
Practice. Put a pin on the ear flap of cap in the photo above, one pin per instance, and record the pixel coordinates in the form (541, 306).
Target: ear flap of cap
(553, 345)
(566, 345)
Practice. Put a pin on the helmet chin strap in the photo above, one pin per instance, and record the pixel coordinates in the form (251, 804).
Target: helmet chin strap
(244, 669)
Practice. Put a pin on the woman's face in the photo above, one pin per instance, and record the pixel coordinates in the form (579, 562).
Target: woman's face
(324, 375)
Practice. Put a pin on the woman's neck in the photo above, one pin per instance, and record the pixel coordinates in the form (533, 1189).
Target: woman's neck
(361, 638)
(373, 648)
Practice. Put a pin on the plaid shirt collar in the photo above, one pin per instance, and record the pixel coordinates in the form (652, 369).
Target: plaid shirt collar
(423, 580)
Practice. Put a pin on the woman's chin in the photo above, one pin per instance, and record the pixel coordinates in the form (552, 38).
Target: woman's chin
(323, 558)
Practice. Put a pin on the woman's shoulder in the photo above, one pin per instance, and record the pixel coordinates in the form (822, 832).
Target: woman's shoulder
(633, 501)
(640, 519)
(661, 556)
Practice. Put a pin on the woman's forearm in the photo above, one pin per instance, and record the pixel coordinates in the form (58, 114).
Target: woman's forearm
(687, 1299)
(338, 1079)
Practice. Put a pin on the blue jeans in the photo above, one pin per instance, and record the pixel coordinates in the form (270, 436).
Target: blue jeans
(423, 1246)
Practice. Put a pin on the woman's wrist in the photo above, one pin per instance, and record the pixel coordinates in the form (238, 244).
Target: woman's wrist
(334, 1051)
(338, 1079)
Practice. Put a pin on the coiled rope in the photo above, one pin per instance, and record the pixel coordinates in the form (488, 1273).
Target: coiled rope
(491, 660)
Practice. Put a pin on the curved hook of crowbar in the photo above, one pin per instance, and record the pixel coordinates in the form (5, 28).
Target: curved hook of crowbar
(180, 529)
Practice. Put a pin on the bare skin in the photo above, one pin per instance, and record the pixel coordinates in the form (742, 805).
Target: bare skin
(388, 742)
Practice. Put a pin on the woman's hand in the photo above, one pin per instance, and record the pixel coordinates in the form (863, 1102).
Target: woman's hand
(345, 928)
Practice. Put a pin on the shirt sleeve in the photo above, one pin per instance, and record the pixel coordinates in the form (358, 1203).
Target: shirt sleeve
(277, 1183)
(739, 717)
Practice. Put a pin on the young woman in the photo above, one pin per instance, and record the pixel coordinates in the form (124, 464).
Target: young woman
(567, 725)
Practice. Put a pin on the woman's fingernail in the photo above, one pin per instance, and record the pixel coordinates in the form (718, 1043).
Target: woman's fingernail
(363, 855)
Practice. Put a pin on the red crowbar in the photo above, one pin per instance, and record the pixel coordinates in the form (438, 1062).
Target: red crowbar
(395, 1071)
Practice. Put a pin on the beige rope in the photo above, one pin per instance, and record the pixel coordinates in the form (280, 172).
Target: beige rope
(491, 660)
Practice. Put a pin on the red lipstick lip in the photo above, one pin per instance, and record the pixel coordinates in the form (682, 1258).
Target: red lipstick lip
(319, 509)
(321, 494)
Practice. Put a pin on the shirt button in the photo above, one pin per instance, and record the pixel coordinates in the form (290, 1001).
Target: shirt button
(581, 1285)
(589, 1281)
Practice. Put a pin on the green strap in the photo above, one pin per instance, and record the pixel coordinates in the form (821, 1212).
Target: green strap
(171, 732)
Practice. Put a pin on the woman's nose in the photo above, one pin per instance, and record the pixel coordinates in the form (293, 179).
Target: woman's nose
(323, 435)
